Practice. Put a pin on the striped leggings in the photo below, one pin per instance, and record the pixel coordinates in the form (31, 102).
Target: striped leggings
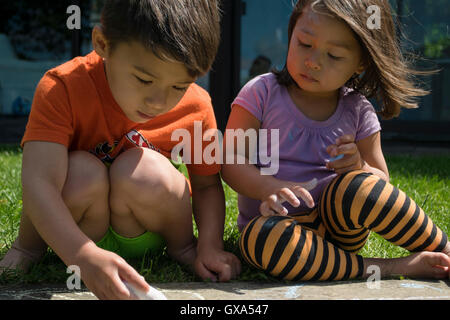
(322, 244)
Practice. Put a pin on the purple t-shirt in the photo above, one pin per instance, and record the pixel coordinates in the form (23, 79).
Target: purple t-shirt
(302, 141)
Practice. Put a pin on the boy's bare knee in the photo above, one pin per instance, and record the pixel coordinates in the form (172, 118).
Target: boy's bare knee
(87, 178)
(143, 174)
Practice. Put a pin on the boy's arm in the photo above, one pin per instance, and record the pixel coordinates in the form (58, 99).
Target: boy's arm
(44, 171)
(208, 202)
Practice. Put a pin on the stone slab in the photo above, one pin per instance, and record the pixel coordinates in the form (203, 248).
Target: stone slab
(343, 290)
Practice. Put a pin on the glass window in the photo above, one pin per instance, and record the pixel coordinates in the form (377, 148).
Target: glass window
(264, 36)
(34, 38)
(425, 24)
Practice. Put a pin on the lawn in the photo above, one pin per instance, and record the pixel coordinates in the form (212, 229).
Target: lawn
(426, 179)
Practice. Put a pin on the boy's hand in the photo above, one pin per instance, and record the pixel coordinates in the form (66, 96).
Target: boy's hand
(290, 192)
(102, 272)
(351, 160)
(216, 264)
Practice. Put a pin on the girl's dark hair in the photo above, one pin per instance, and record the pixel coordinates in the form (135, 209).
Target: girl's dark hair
(388, 75)
(182, 30)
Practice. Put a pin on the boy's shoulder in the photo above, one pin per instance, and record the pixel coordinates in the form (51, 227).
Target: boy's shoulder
(195, 104)
(196, 96)
(76, 68)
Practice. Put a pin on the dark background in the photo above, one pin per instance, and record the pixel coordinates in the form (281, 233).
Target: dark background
(37, 31)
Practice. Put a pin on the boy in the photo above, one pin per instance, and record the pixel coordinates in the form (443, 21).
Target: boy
(96, 149)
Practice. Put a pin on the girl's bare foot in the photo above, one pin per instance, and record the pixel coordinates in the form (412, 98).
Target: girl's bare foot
(426, 265)
(447, 249)
(18, 258)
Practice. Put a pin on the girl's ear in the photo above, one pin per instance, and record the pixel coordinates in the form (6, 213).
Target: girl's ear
(361, 68)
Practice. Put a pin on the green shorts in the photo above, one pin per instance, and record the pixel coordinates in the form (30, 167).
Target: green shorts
(131, 248)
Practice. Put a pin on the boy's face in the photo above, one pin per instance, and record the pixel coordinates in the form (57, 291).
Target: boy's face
(323, 53)
(143, 85)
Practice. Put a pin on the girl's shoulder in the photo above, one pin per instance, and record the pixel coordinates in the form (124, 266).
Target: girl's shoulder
(266, 81)
(359, 111)
(259, 95)
(354, 100)
(263, 87)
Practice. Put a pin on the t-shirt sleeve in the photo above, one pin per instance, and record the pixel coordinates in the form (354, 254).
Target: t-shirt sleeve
(368, 122)
(252, 97)
(208, 164)
(50, 118)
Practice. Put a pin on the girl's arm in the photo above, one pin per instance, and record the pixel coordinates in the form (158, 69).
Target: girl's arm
(246, 179)
(372, 155)
(366, 154)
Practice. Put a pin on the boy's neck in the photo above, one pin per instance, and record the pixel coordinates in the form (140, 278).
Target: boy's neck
(318, 106)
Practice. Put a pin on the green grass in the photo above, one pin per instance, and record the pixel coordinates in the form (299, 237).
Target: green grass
(426, 179)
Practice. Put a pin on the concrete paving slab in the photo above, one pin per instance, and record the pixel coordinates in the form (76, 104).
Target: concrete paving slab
(345, 290)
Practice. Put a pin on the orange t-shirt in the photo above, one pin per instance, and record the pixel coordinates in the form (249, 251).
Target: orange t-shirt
(73, 105)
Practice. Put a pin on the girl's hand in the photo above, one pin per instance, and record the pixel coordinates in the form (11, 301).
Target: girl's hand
(103, 271)
(290, 192)
(351, 159)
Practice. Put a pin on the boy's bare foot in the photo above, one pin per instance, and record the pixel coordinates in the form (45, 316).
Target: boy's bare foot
(18, 258)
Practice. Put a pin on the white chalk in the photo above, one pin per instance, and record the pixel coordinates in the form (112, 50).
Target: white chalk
(151, 294)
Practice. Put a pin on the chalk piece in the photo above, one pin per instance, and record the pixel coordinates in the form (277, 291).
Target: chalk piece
(339, 157)
(151, 294)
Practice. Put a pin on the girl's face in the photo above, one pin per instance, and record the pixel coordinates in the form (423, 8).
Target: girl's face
(323, 53)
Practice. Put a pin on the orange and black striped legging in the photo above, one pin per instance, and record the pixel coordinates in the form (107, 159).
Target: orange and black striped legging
(322, 244)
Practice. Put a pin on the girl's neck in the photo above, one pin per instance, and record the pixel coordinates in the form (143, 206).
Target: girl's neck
(318, 106)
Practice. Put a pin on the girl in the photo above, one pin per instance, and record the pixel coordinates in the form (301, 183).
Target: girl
(329, 131)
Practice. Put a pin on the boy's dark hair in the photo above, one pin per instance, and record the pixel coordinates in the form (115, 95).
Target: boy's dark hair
(388, 75)
(182, 30)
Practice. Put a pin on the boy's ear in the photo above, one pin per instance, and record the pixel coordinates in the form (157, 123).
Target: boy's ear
(99, 42)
